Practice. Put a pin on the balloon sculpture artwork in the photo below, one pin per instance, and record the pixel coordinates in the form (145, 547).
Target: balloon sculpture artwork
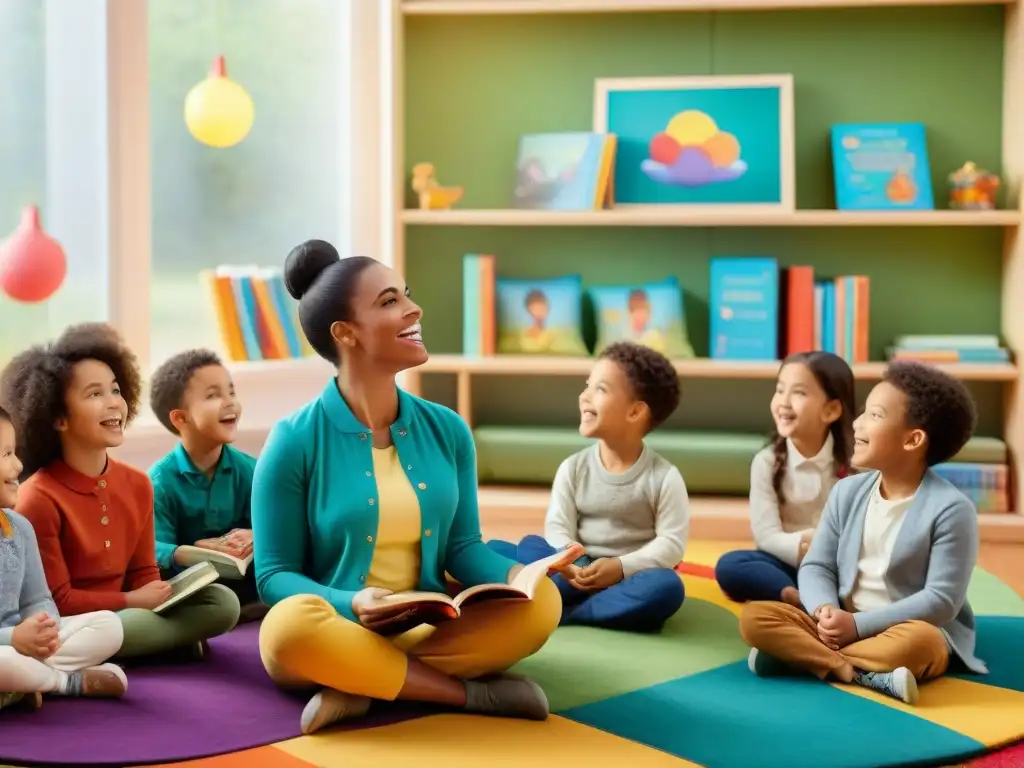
(218, 111)
(692, 152)
(32, 264)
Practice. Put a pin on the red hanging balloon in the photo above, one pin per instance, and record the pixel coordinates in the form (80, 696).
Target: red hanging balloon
(32, 264)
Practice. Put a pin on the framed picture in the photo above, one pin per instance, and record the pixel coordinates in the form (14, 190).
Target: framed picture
(720, 142)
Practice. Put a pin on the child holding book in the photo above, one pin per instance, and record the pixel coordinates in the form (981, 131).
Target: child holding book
(92, 515)
(885, 581)
(202, 489)
(813, 409)
(625, 504)
(39, 651)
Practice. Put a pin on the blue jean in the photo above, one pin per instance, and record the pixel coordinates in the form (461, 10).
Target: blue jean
(642, 602)
(747, 575)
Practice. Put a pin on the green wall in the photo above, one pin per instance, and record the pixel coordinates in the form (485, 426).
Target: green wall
(474, 85)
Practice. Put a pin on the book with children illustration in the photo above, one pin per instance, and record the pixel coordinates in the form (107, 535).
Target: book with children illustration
(433, 607)
(540, 317)
(227, 566)
(187, 583)
(881, 167)
(564, 171)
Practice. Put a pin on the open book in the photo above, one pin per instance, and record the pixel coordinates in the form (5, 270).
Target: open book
(228, 566)
(434, 607)
(187, 583)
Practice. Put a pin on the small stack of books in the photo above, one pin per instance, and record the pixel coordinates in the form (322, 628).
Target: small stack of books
(256, 317)
(966, 348)
(986, 485)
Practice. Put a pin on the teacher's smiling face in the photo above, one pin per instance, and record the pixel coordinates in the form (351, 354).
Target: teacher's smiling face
(385, 325)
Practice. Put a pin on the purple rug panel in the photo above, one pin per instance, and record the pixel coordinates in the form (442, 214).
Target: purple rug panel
(172, 712)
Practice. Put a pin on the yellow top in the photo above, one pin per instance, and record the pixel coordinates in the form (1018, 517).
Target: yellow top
(396, 554)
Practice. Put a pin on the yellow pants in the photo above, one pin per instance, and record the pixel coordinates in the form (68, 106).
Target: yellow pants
(304, 641)
(790, 635)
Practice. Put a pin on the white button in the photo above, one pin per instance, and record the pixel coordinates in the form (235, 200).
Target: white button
(362, 436)
(104, 520)
(428, 533)
(369, 473)
(107, 543)
(401, 432)
(409, 467)
(369, 538)
(423, 486)
(372, 502)
(102, 483)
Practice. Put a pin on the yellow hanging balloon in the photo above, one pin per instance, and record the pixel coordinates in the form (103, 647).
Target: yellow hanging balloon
(218, 111)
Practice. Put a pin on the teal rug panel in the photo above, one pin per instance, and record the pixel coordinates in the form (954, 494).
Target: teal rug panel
(1001, 647)
(728, 718)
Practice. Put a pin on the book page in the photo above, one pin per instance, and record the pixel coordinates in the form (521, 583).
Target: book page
(228, 566)
(187, 583)
(526, 580)
(412, 598)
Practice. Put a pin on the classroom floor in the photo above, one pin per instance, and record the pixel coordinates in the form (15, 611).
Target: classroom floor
(500, 742)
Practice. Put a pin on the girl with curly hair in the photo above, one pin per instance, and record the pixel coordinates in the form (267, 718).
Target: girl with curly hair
(93, 516)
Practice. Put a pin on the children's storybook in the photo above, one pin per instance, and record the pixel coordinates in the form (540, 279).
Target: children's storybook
(227, 566)
(187, 583)
(435, 607)
(881, 167)
(565, 171)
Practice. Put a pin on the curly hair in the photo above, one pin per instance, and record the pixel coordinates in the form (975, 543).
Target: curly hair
(835, 378)
(33, 386)
(169, 382)
(652, 376)
(938, 404)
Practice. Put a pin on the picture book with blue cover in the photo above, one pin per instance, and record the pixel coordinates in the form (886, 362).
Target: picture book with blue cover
(564, 171)
(744, 309)
(881, 167)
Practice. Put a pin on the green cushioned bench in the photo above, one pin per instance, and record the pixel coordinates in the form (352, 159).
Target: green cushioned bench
(712, 463)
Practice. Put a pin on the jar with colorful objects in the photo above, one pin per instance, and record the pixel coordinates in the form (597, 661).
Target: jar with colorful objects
(972, 188)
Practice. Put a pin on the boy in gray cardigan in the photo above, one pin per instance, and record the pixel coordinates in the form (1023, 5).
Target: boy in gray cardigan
(885, 581)
(626, 505)
(39, 651)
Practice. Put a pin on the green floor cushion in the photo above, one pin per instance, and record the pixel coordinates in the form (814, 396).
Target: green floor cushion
(712, 463)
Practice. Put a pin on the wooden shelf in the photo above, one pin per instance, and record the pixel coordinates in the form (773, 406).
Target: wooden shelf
(519, 7)
(676, 216)
(537, 365)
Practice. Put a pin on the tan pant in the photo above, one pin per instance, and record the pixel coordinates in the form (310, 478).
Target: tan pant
(791, 636)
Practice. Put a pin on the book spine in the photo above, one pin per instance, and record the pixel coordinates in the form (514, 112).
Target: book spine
(967, 341)
(800, 302)
(488, 309)
(471, 335)
(862, 333)
(819, 315)
(839, 286)
(246, 319)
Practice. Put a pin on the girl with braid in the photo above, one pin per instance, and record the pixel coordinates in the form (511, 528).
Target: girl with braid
(790, 479)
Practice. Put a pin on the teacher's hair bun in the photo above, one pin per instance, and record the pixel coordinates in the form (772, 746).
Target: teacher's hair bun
(304, 264)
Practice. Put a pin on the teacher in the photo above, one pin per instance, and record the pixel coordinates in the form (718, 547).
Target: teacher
(369, 490)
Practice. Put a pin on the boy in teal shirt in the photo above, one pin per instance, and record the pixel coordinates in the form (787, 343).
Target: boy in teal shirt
(202, 489)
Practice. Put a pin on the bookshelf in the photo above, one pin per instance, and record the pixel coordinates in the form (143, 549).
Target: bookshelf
(653, 216)
(975, 236)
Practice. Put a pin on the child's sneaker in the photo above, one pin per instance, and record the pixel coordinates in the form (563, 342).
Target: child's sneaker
(763, 665)
(899, 684)
(106, 681)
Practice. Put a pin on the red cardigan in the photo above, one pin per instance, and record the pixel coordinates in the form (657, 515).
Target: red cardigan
(95, 534)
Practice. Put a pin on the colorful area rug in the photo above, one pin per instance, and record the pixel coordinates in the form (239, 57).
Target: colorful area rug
(681, 698)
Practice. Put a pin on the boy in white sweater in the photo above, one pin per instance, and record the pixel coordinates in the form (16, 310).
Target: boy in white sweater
(625, 504)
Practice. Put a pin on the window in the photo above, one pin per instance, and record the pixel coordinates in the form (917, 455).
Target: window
(22, 152)
(248, 204)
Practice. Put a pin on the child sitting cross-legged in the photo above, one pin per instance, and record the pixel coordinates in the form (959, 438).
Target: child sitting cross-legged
(202, 488)
(790, 480)
(885, 580)
(39, 651)
(93, 515)
(625, 504)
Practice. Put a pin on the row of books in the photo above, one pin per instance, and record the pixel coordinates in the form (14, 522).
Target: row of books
(986, 485)
(256, 318)
(762, 312)
(963, 348)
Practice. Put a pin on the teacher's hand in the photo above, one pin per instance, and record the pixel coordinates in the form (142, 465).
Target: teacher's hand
(371, 613)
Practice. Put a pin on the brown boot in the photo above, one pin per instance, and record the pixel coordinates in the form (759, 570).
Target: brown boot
(107, 681)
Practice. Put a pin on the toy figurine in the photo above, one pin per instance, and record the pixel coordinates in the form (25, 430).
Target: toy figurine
(433, 197)
(971, 188)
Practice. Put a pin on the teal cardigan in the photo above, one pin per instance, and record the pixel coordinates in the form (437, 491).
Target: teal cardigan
(314, 501)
